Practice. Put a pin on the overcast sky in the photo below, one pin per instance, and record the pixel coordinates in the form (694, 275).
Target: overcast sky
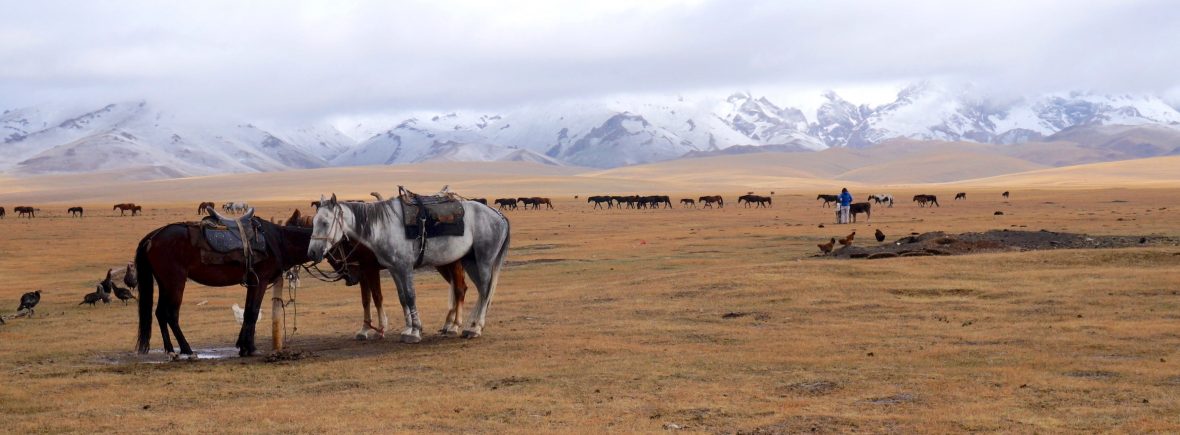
(318, 59)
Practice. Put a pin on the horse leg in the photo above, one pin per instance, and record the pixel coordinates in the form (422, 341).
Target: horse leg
(363, 333)
(483, 266)
(245, 344)
(371, 289)
(163, 317)
(453, 273)
(404, 279)
(175, 325)
(374, 277)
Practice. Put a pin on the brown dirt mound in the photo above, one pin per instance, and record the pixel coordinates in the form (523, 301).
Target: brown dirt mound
(940, 243)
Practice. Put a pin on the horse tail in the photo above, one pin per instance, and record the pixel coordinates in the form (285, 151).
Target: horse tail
(498, 261)
(143, 272)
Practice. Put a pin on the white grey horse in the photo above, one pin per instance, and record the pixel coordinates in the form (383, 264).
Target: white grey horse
(235, 207)
(882, 198)
(379, 227)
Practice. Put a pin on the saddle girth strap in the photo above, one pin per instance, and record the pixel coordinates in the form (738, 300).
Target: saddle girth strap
(422, 213)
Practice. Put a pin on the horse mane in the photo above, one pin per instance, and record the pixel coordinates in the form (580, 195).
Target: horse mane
(366, 215)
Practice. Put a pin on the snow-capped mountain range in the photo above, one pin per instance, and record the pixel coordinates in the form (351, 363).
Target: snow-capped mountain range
(594, 132)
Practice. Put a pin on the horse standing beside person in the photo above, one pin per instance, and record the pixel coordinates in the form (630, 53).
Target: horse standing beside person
(380, 227)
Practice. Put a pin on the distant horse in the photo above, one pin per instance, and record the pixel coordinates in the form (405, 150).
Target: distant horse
(657, 200)
(75, 211)
(482, 249)
(298, 220)
(235, 206)
(1005, 194)
(629, 200)
(127, 207)
(828, 199)
(750, 199)
(598, 200)
(861, 207)
(502, 203)
(708, 201)
(25, 210)
(882, 198)
(207, 205)
(961, 195)
(763, 201)
(688, 202)
(2, 212)
(924, 200)
(536, 202)
(167, 256)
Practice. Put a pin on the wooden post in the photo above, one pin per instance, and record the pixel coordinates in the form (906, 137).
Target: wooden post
(276, 315)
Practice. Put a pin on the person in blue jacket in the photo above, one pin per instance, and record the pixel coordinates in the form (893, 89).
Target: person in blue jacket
(845, 202)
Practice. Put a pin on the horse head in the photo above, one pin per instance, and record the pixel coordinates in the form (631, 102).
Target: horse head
(327, 227)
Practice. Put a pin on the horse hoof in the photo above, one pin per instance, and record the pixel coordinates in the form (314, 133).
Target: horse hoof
(411, 338)
(192, 357)
(470, 334)
(173, 356)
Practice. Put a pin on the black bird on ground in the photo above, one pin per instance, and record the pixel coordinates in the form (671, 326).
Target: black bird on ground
(129, 278)
(124, 294)
(30, 300)
(880, 236)
(98, 295)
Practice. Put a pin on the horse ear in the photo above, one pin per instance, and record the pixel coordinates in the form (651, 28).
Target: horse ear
(109, 273)
(333, 200)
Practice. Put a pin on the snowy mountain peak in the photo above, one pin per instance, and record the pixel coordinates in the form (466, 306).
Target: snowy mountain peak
(606, 132)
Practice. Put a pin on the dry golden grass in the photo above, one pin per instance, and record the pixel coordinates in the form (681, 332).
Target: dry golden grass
(615, 320)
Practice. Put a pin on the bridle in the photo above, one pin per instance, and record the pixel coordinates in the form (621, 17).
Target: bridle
(331, 254)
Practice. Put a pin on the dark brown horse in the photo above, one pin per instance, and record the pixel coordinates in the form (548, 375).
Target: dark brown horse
(1006, 193)
(860, 207)
(828, 199)
(125, 207)
(924, 200)
(167, 256)
(204, 206)
(960, 195)
(536, 202)
(762, 201)
(2, 212)
(297, 219)
(708, 201)
(25, 210)
(75, 211)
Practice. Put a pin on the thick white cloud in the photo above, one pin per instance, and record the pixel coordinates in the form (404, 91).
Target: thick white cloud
(301, 59)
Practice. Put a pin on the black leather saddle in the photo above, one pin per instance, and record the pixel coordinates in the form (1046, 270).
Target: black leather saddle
(436, 215)
(228, 235)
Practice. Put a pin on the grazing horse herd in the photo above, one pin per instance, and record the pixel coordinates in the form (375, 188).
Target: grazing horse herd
(353, 237)
(76, 211)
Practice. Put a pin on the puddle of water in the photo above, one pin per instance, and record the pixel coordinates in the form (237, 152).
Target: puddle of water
(157, 356)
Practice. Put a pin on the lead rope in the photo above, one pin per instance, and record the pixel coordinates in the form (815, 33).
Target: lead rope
(292, 292)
